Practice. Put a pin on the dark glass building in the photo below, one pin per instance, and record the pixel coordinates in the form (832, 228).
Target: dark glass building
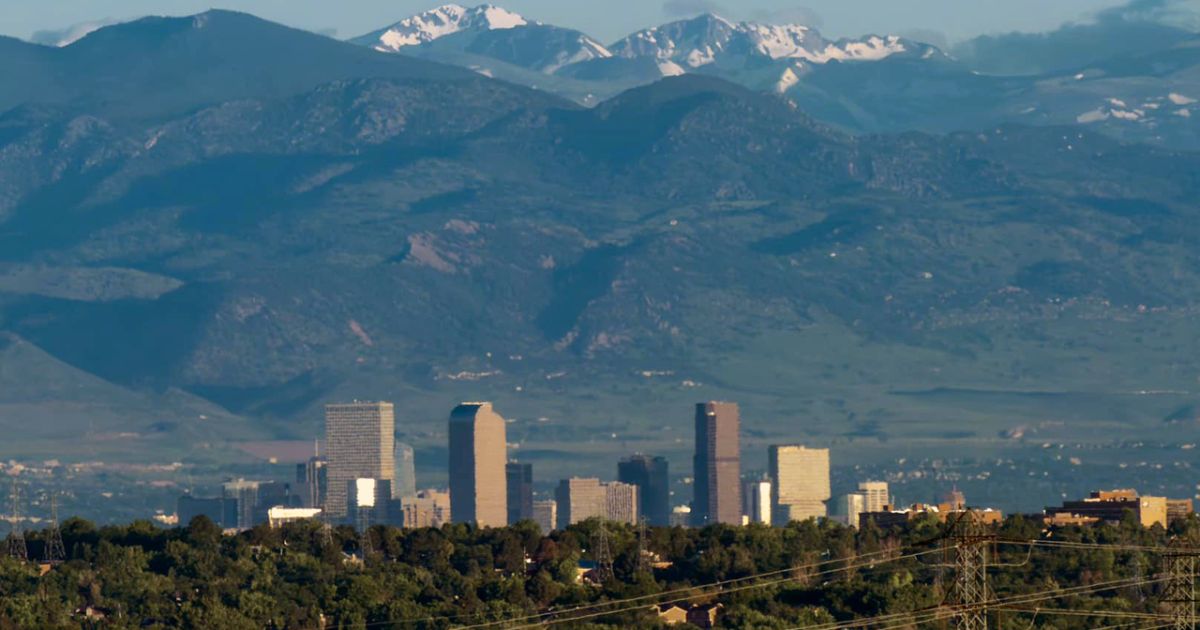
(651, 476)
(519, 481)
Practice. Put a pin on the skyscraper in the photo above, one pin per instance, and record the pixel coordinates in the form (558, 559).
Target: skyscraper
(312, 481)
(360, 442)
(478, 452)
(717, 465)
(876, 493)
(519, 479)
(545, 514)
(406, 472)
(621, 502)
(851, 508)
(246, 494)
(579, 499)
(757, 498)
(651, 476)
(799, 483)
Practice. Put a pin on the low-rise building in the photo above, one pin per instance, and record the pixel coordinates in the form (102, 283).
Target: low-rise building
(1112, 505)
(429, 508)
(892, 517)
(279, 515)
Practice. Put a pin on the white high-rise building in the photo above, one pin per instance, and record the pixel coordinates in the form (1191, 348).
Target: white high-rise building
(799, 483)
(756, 495)
(850, 506)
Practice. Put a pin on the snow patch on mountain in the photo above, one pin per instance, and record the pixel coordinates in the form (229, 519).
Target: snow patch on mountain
(872, 48)
(787, 81)
(786, 41)
(1093, 116)
(440, 22)
(670, 69)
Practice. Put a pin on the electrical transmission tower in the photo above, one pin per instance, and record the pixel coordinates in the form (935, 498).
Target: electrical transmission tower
(968, 591)
(365, 544)
(16, 538)
(1179, 592)
(603, 555)
(326, 531)
(56, 552)
(643, 553)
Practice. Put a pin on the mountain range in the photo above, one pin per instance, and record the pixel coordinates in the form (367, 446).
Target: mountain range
(1137, 84)
(210, 226)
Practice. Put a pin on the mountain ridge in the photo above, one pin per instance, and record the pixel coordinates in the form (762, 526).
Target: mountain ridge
(862, 85)
(427, 239)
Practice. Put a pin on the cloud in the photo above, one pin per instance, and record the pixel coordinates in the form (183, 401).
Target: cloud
(71, 34)
(1159, 11)
(789, 15)
(688, 8)
(1134, 28)
(927, 36)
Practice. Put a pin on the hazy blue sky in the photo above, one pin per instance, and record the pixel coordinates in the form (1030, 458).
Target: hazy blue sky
(604, 19)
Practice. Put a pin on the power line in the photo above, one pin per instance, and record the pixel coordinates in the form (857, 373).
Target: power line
(935, 613)
(1180, 592)
(724, 591)
(1027, 598)
(692, 589)
(969, 591)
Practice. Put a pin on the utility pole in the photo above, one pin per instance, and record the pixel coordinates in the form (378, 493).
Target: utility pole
(603, 555)
(1179, 592)
(56, 552)
(16, 539)
(969, 593)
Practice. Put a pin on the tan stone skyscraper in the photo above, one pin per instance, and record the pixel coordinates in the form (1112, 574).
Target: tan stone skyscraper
(478, 453)
(799, 483)
(717, 465)
(360, 442)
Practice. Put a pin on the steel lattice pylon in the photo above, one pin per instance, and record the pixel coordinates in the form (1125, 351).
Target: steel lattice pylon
(969, 592)
(56, 552)
(603, 555)
(643, 557)
(1179, 591)
(16, 539)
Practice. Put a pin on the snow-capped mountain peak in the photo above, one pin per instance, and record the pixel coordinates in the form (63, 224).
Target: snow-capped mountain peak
(694, 41)
(440, 22)
(708, 39)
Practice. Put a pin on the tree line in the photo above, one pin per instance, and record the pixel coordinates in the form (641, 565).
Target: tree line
(304, 576)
